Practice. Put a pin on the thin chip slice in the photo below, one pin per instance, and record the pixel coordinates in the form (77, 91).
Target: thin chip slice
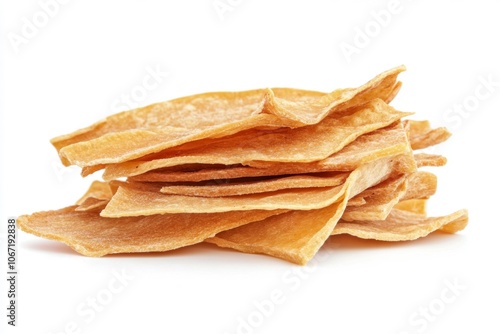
(431, 138)
(403, 225)
(297, 235)
(129, 201)
(90, 234)
(136, 133)
(387, 141)
(218, 189)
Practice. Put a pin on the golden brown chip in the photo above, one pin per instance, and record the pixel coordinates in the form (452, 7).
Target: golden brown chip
(130, 201)
(403, 225)
(433, 137)
(136, 133)
(294, 236)
(174, 122)
(90, 234)
(234, 188)
(384, 86)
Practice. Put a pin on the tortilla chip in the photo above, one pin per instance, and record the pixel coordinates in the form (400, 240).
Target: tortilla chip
(384, 142)
(403, 225)
(136, 133)
(431, 138)
(384, 86)
(246, 186)
(129, 201)
(294, 236)
(297, 235)
(90, 234)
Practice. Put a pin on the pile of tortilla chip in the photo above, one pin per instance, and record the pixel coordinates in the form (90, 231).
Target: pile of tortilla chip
(270, 171)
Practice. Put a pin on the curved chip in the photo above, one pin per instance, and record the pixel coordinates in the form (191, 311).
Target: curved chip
(235, 188)
(90, 234)
(136, 133)
(403, 225)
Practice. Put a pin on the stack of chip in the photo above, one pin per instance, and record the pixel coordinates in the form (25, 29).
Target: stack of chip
(270, 171)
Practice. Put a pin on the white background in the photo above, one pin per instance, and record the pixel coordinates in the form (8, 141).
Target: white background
(73, 69)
